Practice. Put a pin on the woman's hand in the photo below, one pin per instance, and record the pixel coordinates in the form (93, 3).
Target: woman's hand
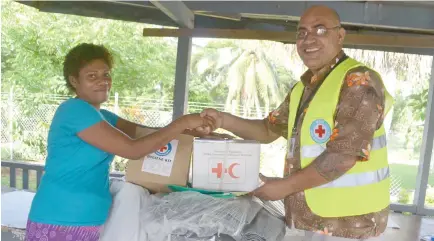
(214, 114)
(193, 121)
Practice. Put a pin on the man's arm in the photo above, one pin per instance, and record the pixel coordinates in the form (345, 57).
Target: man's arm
(249, 129)
(324, 169)
(360, 114)
(265, 131)
(327, 167)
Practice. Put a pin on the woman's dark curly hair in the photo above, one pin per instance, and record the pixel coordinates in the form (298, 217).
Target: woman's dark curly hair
(81, 55)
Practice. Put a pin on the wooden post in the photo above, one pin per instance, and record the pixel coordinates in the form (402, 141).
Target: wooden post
(180, 96)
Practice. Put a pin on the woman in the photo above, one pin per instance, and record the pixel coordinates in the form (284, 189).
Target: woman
(73, 199)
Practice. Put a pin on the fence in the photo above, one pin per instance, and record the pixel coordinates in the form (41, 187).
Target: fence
(25, 120)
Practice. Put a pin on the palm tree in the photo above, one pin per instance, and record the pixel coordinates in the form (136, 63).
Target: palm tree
(245, 71)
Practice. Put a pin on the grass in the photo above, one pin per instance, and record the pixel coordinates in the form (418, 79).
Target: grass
(407, 175)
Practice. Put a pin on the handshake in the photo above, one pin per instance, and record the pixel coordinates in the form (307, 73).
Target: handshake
(203, 124)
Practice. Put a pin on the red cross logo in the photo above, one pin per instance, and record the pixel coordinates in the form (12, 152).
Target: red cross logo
(320, 131)
(219, 170)
(163, 149)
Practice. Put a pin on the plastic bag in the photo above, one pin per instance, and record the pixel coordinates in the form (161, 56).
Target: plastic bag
(191, 214)
(188, 216)
(276, 208)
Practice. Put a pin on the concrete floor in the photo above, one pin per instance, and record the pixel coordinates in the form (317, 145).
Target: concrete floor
(411, 228)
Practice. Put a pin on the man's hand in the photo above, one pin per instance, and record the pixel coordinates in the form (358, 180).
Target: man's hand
(192, 121)
(244, 128)
(273, 189)
(216, 115)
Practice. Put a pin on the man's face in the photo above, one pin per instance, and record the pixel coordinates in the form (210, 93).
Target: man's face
(319, 39)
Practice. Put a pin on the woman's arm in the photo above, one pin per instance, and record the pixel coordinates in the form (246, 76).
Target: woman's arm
(131, 129)
(119, 142)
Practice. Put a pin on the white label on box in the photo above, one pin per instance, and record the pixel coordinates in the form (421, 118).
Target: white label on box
(226, 166)
(161, 161)
(229, 171)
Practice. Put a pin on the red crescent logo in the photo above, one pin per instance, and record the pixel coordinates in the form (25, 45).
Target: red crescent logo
(231, 170)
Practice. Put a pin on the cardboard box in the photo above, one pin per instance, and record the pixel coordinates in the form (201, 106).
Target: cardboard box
(226, 165)
(169, 165)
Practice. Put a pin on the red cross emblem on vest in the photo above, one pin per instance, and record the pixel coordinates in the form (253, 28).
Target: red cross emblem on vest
(320, 131)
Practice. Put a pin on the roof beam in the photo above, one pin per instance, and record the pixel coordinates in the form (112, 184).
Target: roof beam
(177, 11)
(385, 14)
(351, 39)
(105, 10)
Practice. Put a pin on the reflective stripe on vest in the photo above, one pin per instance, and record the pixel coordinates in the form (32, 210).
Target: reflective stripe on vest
(359, 179)
(313, 151)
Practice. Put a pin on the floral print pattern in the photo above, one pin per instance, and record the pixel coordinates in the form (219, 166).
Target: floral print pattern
(325, 231)
(47, 232)
(358, 78)
(272, 117)
(359, 113)
(335, 133)
(365, 153)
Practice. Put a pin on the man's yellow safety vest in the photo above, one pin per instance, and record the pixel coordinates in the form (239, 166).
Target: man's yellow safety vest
(365, 187)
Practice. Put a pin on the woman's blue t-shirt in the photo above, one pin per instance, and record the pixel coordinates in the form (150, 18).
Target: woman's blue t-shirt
(74, 190)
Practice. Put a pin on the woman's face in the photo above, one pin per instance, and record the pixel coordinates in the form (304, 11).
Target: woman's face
(93, 83)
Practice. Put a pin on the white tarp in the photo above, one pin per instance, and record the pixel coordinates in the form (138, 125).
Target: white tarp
(15, 208)
(124, 222)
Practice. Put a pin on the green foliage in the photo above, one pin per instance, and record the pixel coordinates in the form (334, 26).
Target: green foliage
(429, 200)
(33, 48)
(417, 103)
(404, 197)
(399, 108)
(34, 45)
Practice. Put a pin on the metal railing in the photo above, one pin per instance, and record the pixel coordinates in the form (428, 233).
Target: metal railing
(26, 167)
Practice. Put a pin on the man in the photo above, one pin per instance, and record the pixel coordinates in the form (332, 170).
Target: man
(336, 184)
